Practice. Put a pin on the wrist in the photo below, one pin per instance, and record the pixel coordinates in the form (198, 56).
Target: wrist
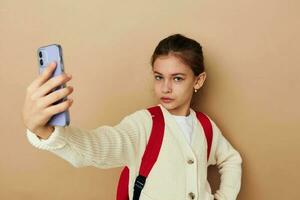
(44, 132)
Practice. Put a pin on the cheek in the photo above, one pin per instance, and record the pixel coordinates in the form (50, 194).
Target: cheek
(156, 88)
(184, 89)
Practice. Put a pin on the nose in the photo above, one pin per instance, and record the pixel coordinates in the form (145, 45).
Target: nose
(167, 86)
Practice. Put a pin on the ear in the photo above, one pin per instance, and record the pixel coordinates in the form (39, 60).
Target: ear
(199, 80)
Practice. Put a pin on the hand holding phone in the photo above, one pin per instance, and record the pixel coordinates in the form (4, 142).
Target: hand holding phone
(38, 106)
(46, 55)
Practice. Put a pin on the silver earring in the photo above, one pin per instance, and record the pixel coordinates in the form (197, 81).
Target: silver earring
(196, 90)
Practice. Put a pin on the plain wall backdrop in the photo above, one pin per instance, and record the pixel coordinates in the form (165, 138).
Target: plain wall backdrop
(251, 51)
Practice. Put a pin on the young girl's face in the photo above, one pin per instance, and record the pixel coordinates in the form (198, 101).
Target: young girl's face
(175, 80)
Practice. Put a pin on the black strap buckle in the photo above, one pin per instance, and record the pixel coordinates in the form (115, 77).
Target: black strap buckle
(139, 182)
(138, 186)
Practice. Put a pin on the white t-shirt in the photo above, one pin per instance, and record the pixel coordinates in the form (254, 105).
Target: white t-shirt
(186, 125)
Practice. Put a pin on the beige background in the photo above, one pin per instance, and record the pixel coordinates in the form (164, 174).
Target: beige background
(252, 59)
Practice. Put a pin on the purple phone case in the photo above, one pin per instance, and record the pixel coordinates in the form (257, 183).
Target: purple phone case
(49, 54)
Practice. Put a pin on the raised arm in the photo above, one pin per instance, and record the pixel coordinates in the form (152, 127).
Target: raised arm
(102, 147)
(105, 146)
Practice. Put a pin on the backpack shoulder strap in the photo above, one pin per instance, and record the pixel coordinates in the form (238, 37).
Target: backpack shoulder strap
(155, 141)
(152, 149)
(207, 126)
(149, 157)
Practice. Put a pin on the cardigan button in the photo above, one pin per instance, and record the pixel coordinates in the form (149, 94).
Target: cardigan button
(192, 195)
(190, 161)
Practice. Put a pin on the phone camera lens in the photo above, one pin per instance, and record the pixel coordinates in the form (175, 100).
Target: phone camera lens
(40, 54)
(41, 61)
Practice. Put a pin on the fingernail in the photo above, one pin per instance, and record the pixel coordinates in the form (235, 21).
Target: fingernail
(53, 64)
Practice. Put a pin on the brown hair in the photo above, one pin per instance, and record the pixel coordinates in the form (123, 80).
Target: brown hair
(187, 49)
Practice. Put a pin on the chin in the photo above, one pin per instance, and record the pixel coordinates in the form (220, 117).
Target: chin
(169, 106)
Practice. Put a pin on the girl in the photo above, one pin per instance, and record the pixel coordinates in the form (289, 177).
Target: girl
(180, 171)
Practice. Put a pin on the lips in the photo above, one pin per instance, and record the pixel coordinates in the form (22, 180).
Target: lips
(166, 98)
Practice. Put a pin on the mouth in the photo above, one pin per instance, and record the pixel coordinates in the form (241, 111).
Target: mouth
(166, 99)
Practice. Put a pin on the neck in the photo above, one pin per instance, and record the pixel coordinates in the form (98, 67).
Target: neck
(180, 111)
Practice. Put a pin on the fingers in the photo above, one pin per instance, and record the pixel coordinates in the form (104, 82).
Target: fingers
(58, 108)
(51, 84)
(43, 77)
(55, 96)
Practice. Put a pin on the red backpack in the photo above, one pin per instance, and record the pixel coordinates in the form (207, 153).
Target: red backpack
(152, 151)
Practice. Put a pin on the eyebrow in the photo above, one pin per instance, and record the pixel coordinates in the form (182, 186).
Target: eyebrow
(171, 74)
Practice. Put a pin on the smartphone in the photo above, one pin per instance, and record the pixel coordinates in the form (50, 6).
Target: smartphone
(46, 55)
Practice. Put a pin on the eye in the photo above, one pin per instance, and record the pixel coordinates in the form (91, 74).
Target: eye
(157, 77)
(178, 79)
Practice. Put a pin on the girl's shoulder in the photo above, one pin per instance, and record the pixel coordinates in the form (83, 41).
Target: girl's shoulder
(207, 115)
(140, 114)
(215, 127)
(143, 114)
(140, 118)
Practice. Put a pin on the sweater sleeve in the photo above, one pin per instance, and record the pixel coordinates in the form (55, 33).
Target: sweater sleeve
(229, 163)
(102, 147)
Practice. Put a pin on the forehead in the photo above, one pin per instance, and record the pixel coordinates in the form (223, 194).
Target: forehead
(170, 64)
